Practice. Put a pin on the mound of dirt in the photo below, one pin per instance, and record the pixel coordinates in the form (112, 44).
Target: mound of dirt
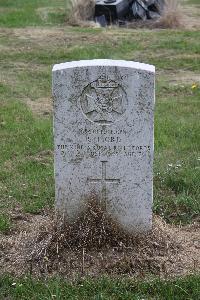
(95, 245)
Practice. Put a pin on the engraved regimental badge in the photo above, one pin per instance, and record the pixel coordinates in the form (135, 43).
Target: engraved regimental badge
(103, 101)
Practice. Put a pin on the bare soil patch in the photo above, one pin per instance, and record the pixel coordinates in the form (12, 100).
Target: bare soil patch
(190, 15)
(38, 34)
(94, 245)
(41, 106)
(56, 36)
(38, 37)
(181, 77)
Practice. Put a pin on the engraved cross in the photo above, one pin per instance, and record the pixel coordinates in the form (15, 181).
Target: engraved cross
(104, 180)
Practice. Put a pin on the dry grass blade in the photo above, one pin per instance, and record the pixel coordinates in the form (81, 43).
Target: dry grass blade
(95, 239)
(94, 245)
(171, 17)
(81, 11)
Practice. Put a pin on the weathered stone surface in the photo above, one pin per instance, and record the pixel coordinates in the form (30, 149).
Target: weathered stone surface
(103, 129)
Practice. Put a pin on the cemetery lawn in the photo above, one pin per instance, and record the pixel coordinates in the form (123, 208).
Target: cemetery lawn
(105, 288)
(33, 37)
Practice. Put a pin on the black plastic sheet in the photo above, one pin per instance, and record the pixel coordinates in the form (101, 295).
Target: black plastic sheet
(116, 11)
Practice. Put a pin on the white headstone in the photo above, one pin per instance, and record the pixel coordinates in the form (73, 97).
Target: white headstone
(103, 129)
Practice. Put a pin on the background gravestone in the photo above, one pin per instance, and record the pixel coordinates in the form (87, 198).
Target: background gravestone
(103, 130)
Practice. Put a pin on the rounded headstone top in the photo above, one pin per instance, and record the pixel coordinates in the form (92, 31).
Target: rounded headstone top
(104, 62)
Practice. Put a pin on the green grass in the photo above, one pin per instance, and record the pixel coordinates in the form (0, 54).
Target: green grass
(167, 51)
(5, 224)
(23, 13)
(26, 179)
(26, 74)
(193, 2)
(26, 161)
(177, 159)
(187, 288)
